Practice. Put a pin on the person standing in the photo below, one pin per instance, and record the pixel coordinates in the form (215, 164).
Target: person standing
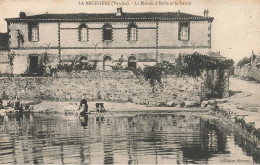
(18, 104)
(83, 106)
(1, 103)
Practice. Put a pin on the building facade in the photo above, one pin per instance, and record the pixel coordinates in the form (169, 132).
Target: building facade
(134, 39)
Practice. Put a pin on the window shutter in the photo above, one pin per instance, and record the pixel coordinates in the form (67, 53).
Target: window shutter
(186, 33)
(84, 34)
(29, 33)
(134, 34)
(38, 32)
(79, 34)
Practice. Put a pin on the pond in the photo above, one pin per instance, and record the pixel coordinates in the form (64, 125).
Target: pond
(125, 138)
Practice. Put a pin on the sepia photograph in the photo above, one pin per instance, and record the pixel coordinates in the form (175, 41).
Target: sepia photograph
(130, 82)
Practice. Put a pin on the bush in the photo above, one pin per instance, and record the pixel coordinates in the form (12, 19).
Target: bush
(66, 67)
(118, 66)
(244, 61)
(137, 71)
(153, 73)
(192, 65)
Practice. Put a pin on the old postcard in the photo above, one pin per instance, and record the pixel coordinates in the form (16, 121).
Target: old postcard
(129, 82)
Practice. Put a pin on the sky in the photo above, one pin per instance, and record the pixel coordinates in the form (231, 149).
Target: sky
(235, 29)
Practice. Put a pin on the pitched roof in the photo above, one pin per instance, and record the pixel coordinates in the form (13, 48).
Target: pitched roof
(149, 16)
(217, 55)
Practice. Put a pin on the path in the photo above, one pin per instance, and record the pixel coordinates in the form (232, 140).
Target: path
(246, 102)
(250, 87)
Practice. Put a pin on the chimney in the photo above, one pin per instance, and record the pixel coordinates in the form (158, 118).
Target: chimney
(206, 13)
(22, 15)
(119, 11)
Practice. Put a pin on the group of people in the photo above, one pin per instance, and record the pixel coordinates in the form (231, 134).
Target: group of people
(17, 105)
(83, 106)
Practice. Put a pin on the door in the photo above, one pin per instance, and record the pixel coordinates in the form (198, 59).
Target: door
(107, 63)
(34, 64)
(132, 62)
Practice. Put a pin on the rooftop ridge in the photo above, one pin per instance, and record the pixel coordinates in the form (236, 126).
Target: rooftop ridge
(112, 16)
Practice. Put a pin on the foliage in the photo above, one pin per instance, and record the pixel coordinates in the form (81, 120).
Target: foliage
(118, 66)
(69, 67)
(66, 67)
(84, 66)
(44, 58)
(153, 73)
(192, 65)
(226, 64)
(244, 61)
(41, 69)
(11, 56)
(137, 71)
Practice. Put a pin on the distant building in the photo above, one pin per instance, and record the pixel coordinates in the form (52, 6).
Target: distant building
(137, 39)
(217, 55)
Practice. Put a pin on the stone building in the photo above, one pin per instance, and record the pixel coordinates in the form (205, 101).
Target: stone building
(135, 39)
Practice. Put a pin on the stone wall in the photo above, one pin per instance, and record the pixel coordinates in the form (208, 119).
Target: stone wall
(5, 67)
(105, 85)
(109, 85)
(247, 72)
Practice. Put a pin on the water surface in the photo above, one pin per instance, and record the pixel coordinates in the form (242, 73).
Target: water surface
(123, 138)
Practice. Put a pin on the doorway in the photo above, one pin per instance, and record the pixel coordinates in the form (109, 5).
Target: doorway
(34, 64)
(107, 63)
(132, 62)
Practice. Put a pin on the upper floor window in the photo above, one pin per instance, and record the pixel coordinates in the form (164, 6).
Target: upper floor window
(83, 33)
(33, 32)
(20, 38)
(132, 32)
(107, 32)
(184, 31)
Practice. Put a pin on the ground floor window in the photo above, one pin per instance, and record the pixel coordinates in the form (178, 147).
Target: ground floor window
(132, 62)
(34, 65)
(107, 63)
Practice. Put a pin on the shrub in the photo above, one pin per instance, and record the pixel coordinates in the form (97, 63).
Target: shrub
(66, 67)
(137, 71)
(153, 73)
(118, 66)
(244, 61)
(192, 65)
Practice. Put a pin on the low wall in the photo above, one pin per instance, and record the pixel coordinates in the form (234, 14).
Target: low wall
(105, 85)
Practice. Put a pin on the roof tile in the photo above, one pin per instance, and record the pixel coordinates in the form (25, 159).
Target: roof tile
(149, 16)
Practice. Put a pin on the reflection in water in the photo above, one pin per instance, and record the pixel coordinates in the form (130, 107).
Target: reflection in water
(84, 121)
(116, 138)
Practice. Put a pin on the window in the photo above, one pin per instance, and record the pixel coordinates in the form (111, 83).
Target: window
(107, 63)
(184, 31)
(83, 33)
(107, 32)
(20, 38)
(132, 62)
(33, 32)
(132, 32)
